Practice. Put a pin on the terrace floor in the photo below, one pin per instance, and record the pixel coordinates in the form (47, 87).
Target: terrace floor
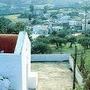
(53, 75)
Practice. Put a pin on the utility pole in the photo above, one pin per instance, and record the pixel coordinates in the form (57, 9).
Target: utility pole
(85, 20)
(74, 67)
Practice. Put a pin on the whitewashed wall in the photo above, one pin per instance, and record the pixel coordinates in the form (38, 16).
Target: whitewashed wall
(16, 66)
(78, 74)
(23, 48)
(50, 57)
(10, 66)
(26, 65)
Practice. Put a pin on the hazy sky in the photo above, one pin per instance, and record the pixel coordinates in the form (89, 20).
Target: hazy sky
(65, 0)
(49, 1)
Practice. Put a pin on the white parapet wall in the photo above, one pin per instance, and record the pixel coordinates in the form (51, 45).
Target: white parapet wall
(10, 67)
(33, 80)
(78, 74)
(16, 66)
(50, 57)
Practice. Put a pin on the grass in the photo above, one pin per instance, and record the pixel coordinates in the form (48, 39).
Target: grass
(14, 18)
(78, 87)
(87, 60)
(66, 49)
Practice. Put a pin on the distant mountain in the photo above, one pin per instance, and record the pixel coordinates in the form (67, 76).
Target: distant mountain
(66, 3)
(39, 2)
(57, 3)
(13, 6)
(9, 2)
(17, 6)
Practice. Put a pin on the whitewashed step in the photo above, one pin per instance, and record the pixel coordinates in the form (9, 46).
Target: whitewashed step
(33, 80)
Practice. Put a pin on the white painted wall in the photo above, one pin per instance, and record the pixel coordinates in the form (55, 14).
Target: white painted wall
(26, 59)
(10, 66)
(16, 66)
(50, 57)
(78, 74)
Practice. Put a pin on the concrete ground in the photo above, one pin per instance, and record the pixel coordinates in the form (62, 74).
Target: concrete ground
(53, 75)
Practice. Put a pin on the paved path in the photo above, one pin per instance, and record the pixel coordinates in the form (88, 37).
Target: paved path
(53, 75)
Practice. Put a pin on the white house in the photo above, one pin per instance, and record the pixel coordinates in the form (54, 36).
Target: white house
(87, 24)
(39, 30)
(15, 61)
(75, 24)
(38, 10)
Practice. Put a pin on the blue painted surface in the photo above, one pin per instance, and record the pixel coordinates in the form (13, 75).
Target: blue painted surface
(50, 57)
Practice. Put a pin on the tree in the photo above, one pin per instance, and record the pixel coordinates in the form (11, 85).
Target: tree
(62, 34)
(4, 24)
(19, 26)
(72, 40)
(82, 63)
(72, 14)
(87, 33)
(87, 83)
(43, 39)
(24, 15)
(15, 27)
(53, 15)
(29, 32)
(54, 33)
(11, 28)
(85, 42)
(58, 38)
(57, 41)
(54, 40)
(40, 47)
(7, 26)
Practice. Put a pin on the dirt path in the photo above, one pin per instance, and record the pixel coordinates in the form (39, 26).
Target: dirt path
(53, 76)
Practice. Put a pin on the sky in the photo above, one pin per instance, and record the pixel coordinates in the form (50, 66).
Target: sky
(49, 1)
(64, 1)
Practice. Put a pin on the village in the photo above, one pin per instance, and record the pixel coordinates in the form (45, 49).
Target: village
(45, 45)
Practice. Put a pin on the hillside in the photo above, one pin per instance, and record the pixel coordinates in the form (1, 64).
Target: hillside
(19, 6)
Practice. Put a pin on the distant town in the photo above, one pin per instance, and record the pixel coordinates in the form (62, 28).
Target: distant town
(53, 27)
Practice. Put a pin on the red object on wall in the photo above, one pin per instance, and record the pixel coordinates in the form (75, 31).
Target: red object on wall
(8, 42)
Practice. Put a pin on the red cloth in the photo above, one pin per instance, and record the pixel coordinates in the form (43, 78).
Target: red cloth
(8, 42)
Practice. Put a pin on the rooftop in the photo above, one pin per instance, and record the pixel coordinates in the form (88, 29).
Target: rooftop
(8, 42)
